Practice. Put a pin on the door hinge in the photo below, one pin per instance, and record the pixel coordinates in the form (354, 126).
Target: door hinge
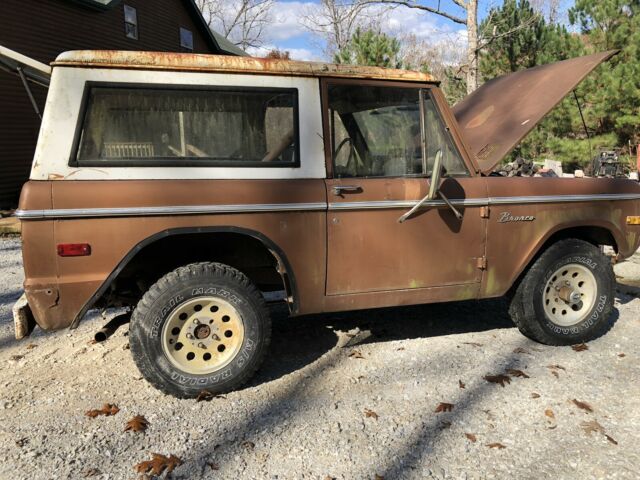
(484, 211)
(481, 263)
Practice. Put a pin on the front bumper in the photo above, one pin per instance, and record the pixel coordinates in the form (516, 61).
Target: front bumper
(23, 319)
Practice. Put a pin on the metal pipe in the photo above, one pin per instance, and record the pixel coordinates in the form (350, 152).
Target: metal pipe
(111, 326)
(28, 89)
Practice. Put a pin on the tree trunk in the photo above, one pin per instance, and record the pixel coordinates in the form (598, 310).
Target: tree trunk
(472, 48)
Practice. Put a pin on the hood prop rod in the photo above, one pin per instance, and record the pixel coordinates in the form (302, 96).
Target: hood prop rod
(584, 123)
(29, 93)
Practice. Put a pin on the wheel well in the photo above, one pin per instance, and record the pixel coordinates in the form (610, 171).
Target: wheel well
(595, 235)
(252, 254)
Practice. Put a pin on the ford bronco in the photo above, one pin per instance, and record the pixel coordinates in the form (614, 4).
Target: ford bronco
(191, 188)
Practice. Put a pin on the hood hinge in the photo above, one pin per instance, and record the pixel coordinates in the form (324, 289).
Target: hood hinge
(481, 263)
(484, 211)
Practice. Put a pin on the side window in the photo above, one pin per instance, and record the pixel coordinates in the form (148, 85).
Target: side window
(439, 138)
(155, 127)
(377, 132)
(186, 39)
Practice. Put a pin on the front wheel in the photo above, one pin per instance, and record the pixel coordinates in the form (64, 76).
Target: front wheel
(567, 295)
(203, 326)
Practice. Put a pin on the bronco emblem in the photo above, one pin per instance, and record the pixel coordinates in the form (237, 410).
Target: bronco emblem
(507, 217)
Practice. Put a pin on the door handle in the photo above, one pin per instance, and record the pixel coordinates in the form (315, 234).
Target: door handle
(340, 189)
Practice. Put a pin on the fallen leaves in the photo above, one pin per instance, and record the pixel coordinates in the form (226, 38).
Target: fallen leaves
(473, 344)
(594, 427)
(535, 395)
(581, 347)
(517, 373)
(137, 424)
(370, 414)
(555, 370)
(461, 384)
(549, 413)
(501, 379)
(582, 405)
(472, 438)
(16, 358)
(207, 396)
(497, 445)
(107, 410)
(158, 464)
(622, 355)
(522, 351)
(444, 407)
(31, 346)
(356, 354)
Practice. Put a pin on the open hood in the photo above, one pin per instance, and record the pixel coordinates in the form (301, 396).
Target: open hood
(496, 117)
(33, 71)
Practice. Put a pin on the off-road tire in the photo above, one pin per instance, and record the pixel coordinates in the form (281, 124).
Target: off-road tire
(185, 284)
(526, 302)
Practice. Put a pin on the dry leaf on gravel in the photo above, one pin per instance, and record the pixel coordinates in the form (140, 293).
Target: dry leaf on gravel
(473, 344)
(535, 395)
(497, 445)
(521, 350)
(581, 347)
(582, 405)
(400, 348)
(206, 396)
(549, 413)
(107, 410)
(22, 442)
(378, 477)
(91, 472)
(356, 354)
(31, 346)
(461, 384)
(517, 373)
(621, 355)
(472, 438)
(158, 464)
(610, 439)
(592, 427)
(370, 414)
(137, 424)
(501, 379)
(15, 358)
(444, 407)
(554, 370)
(248, 445)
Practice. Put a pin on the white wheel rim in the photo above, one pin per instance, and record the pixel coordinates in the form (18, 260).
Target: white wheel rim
(202, 335)
(569, 295)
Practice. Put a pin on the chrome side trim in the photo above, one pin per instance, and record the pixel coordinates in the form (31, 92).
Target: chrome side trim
(172, 210)
(316, 206)
(481, 202)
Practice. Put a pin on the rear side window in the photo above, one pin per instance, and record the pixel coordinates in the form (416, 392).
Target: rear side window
(187, 127)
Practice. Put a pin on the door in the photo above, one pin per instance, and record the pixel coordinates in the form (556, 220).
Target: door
(383, 141)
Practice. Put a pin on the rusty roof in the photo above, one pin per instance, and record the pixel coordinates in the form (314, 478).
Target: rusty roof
(192, 62)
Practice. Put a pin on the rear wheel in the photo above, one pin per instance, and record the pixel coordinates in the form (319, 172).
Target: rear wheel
(203, 326)
(567, 295)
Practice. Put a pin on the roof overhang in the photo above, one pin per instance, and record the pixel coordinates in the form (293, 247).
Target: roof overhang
(15, 63)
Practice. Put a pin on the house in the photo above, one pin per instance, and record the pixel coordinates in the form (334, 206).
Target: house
(42, 29)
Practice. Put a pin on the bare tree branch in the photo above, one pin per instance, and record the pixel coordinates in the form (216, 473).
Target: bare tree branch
(425, 8)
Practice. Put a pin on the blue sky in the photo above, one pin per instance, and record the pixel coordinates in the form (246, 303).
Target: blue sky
(287, 33)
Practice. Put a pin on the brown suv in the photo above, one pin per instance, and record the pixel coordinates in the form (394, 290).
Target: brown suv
(192, 187)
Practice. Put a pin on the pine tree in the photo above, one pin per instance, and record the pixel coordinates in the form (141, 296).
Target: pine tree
(372, 48)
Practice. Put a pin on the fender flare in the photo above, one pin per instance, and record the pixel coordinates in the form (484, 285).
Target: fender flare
(269, 244)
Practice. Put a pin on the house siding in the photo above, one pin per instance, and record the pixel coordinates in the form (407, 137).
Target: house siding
(42, 29)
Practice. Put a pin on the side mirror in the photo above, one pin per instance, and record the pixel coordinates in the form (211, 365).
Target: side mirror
(436, 175)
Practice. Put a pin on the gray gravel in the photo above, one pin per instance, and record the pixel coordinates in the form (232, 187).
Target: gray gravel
(303, 416)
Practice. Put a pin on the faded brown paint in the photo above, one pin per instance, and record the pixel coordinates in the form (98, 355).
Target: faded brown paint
(496, 116)
(228, 64)
(372, 262)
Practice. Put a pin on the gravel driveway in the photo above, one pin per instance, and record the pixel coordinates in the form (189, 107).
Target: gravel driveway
(327, 404)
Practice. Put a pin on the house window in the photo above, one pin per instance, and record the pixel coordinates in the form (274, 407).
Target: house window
(186, 39)
(130, 22)
(251, 127)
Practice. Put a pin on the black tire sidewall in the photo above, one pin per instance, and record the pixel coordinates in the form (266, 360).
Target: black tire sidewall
(148, 332)
(592, 259)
